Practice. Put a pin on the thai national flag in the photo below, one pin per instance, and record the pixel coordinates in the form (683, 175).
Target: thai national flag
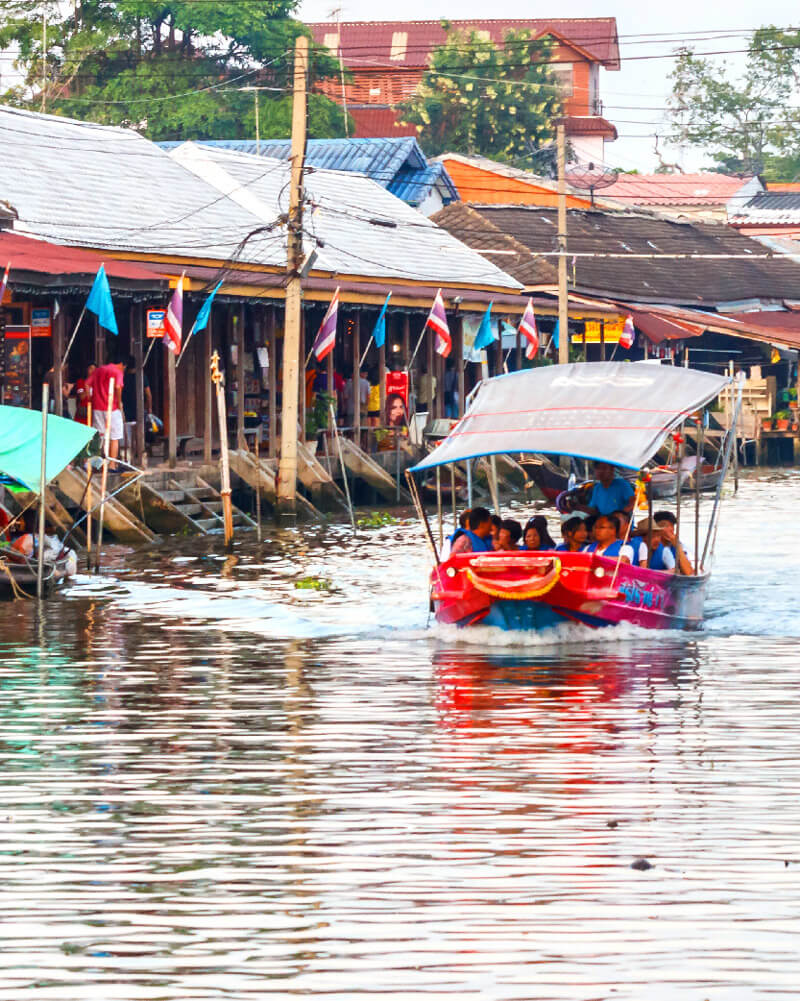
(628, 335)
(173, 322)
(527, 327)
(437, 321)
(4, 282)
(326, 335)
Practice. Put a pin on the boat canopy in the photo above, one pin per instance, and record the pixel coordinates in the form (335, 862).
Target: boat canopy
(616, 412)
(21, 444)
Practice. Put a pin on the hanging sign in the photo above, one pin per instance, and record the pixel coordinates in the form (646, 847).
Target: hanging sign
(155, 322)
(397, 385)
(40, 322)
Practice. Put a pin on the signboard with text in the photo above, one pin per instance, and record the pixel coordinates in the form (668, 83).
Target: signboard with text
(155, 322)
(40, 322)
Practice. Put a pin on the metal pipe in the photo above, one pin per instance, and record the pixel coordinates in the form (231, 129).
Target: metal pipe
(42, 484)
(453, 495)
(104, 478)
(412, 488)
(341, 463)
(679, 452)
(439, 504)
(700, 437)
(713, 524)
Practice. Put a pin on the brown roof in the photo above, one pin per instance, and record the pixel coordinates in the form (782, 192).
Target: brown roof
(707, 279)
(369, 43)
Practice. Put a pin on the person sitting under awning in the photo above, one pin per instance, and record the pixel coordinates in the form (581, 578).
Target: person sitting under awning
(607, 541)
(610, 493)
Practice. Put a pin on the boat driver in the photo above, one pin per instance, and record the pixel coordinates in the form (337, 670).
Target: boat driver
(477, 537)
(610, 493)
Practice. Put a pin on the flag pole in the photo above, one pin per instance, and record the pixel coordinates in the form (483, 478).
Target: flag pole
(74, 332)
(183, 349)
(366, 349)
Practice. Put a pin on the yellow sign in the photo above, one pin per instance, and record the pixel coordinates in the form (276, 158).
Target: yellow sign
(611, 331)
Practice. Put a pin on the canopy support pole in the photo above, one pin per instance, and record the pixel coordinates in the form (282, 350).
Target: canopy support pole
(469, 483)
(439, 504)
(679, 452)
(343, 467)
(699, 456)
(711, 537)
(42, 481)
(412, 489)
(89, 475)
(453, 495)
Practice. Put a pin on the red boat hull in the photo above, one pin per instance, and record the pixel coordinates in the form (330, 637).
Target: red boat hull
(534, 591)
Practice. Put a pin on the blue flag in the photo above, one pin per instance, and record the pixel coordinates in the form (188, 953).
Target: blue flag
(379, 332)
(205, 311)
(99, 301)
(554, 338)
(485, 335)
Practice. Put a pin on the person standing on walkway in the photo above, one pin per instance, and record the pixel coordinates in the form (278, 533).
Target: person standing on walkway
(99, 385)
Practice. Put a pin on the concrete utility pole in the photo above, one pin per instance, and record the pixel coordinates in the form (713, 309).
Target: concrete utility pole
(287, 469)
(563, 307)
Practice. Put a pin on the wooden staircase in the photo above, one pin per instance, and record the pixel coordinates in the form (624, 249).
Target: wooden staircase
(122, 523)
(200, 503)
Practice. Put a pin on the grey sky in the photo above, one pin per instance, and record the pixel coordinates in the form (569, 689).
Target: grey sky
(630, 95)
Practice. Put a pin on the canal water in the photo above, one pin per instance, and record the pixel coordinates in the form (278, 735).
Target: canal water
(218, 784)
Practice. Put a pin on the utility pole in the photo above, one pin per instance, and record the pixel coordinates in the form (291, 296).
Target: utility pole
(287, 468)
(563, 305)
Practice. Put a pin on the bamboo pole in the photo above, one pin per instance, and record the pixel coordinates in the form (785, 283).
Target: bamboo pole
(227, 513)
(104, 479)
(42, 484)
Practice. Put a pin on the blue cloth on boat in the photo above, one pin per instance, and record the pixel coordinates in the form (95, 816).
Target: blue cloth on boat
(607, 500)
(639, 547)
(562, 547)
(613, 550)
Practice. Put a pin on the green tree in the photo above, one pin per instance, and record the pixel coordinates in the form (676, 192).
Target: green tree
(478, 97)
(172, 70)
(743, 123)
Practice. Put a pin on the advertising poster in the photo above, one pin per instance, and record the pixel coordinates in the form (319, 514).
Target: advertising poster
(396, 399)
(40, 322)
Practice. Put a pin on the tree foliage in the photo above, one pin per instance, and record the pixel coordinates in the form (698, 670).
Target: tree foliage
(743, 123)
(172, 70)
(477, 97)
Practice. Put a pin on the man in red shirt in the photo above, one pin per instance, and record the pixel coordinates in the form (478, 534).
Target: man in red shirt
(99, 385)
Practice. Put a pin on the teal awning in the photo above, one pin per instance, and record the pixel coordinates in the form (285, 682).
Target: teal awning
(21, 444)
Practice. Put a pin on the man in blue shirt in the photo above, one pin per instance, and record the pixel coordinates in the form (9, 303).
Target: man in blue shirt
(611, 493)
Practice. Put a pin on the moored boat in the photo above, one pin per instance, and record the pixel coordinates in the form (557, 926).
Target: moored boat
(612, 412)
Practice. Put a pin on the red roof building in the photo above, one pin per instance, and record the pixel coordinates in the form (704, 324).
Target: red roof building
(706, 195)
(385, 61)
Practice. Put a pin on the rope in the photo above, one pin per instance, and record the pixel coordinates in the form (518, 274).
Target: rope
(16, 590)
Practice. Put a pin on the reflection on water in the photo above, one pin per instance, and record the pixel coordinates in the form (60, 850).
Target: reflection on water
(220, 786)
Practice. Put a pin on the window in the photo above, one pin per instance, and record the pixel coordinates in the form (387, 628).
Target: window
(331, 42)
(397, 53)
(563, 74)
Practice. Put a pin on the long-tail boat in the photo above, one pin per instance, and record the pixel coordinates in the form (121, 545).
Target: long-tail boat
(614, 412)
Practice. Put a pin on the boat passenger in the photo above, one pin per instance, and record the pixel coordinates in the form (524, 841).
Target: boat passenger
(607, 541)
(476, 538)
(536, 536)
(637, 544)
(574, 533)
(661, 557)
(667, 522)
(610, 493)
(510, 534)
(497, 521)
(447, 548)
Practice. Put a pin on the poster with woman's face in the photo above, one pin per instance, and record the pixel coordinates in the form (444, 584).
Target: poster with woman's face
(396, 415)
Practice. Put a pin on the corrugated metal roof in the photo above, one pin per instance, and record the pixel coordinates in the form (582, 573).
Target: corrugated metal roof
(776, 208)
(379, 41)
(364, 228)
(40, 257)
(395, 163)
(105, 187)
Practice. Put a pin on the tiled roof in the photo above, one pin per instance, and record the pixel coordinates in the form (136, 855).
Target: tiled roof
(408, 43)
(103, 187)
(706, 281)
(589, 125)
(675, 189)
(397, 164)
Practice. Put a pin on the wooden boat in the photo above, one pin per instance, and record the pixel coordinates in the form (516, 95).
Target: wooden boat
(18, 574)
(613, 412)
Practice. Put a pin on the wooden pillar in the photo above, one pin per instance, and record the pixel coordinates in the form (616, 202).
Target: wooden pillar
(173, 410)
(240, 396)
(406, 338)
(136, 321)
(430, 365)
(208, 397)
(382, 378)
(58, 362)
(458, 344)
(302, 380)
(272, 383)
(602, 340)
(357, 378)
(99, 344)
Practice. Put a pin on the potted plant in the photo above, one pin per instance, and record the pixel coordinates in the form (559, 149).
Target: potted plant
(782, 420)
(766, 423)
